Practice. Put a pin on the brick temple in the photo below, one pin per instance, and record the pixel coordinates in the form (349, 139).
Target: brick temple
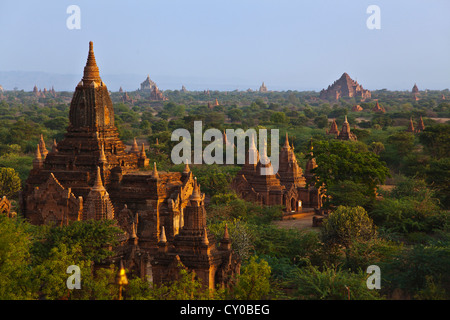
(344, 134)
(289, 187)
(90, 175)
(345, 87)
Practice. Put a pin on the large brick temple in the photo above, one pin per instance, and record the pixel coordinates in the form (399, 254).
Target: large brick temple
(90, 175)
(345, 87)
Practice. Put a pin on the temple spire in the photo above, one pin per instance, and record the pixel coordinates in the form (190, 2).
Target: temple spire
(196, 195)
(102, 157)
(54, 146)
(225, 243)
(226, 235)
(286, 142)
(38, 155)
(162, 238)
(143, 154)
(98, 184)
(186, 167)
(134, 147)
(410, 126)
(42, 147)
(420, 125)
(37, 161)
(205, 240)
(91, 71)
(155, 171)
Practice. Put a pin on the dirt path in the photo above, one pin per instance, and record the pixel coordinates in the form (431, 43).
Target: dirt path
(302, 222)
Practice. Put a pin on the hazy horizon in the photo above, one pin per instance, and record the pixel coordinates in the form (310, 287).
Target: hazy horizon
(290, 45)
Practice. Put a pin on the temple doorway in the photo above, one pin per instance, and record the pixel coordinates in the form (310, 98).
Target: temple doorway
(293, 205)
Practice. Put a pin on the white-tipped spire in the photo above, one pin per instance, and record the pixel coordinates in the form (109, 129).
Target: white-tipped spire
(205, 240)
(102, 157)
(155, 171)
(186, 167)
(38, 155)
(98, 184)
(162, 238)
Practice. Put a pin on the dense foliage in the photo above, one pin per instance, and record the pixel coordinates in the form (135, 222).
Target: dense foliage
(388, 194)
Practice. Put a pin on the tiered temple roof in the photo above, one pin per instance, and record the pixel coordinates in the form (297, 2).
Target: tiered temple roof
(90, 175)
(287, 187)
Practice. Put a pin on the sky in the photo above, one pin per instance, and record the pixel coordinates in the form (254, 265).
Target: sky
(227, 45)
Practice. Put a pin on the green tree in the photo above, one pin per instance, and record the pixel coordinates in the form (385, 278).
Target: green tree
(438, 176)
(15, 258)
(403, 142)
(332, 284)
(50, 274)
(414, 270)
(9, 182)
(348, 193)
(321, 121)
(254, 281)
(407, 214)
(57, 123)
(92, 237)
(278, 117)
(159, 126)
(184, 287)
(346, 225)
(436, 140)
(339, 161)
(235, 115)
(174, 110)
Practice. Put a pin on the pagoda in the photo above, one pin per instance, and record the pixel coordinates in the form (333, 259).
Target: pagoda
(89, 175)
(287, 187)
(378, 108)
(345, 87)
(345, 133)
(420, 125)
(333, 129)
(410, 126)
(263, 88)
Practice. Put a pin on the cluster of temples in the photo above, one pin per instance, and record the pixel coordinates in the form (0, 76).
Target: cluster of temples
(420, 126)
(289, 187)
(90, 175)
(344, 134)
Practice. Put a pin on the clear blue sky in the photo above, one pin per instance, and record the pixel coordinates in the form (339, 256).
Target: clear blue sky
(297, 45)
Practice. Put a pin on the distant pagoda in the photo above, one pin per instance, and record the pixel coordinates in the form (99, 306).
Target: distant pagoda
(148, 84)
(378, 108)
(263, 88)
(334, 128)
(345, 133)
(345, 87)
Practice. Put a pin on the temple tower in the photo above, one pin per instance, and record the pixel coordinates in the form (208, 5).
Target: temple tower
(345, 133)
(289, 170)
